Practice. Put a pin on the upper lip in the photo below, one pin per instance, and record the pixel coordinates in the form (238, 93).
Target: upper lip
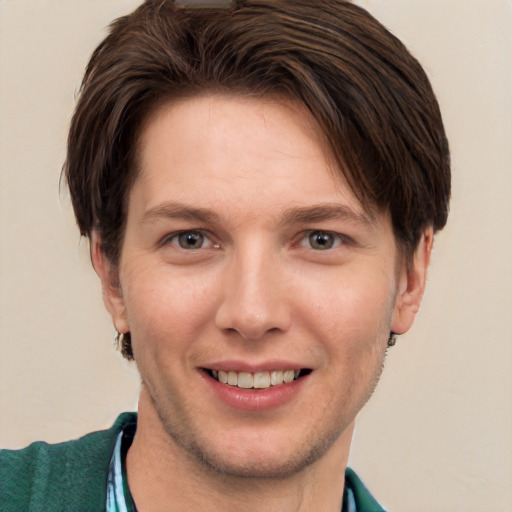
(266, 366)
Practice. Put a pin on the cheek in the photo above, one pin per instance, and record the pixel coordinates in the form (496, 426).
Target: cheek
(353, 323)
(166, 309)
(351, 311)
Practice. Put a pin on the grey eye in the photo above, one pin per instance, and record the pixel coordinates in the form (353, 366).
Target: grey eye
(322, 240)
(190, 240)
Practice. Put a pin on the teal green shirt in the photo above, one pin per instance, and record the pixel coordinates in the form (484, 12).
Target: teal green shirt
(77, 475)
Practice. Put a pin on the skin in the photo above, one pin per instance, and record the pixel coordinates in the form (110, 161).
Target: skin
(251, 180)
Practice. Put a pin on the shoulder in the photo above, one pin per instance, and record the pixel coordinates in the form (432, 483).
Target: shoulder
(64, 476)
(363, 499)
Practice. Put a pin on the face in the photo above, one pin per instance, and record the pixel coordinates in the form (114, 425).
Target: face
(258, 293)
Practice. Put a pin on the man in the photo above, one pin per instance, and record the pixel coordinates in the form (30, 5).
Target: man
(260, 182)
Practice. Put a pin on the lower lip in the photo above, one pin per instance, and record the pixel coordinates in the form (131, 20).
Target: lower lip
(255, 399)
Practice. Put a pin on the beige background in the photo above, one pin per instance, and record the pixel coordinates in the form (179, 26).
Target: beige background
(438, 434)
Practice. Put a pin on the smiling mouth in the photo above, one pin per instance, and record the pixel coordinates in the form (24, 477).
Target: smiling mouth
(258, 380)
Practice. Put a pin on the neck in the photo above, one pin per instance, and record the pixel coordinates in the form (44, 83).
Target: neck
(163, 476)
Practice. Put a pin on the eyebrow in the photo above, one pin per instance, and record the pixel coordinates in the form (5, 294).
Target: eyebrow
(294, 215)
(172, 210)
(328, 211)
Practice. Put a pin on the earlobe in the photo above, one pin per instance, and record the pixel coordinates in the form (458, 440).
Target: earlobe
(111, 289)
(412, 284)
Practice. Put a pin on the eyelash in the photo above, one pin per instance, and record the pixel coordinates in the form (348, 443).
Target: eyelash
(337, 239)
(174, 239)
(332, 239)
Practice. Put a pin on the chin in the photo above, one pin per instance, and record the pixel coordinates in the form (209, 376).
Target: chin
(273, 466)
(261, 458)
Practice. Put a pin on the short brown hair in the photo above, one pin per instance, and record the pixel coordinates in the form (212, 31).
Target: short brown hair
(369, 95)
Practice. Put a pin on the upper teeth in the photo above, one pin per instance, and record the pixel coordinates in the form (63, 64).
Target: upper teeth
(258, 380)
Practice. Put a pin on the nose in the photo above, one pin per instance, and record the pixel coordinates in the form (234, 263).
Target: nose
(254, 301)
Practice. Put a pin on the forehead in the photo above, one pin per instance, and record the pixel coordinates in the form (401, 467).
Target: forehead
(246, 149)
(222, 125)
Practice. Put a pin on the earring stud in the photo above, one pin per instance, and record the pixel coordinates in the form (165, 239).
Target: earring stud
(119, 338)
(392, 339)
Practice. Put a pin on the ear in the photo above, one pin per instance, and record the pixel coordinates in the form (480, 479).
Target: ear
(110, 283)
(411, 285)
